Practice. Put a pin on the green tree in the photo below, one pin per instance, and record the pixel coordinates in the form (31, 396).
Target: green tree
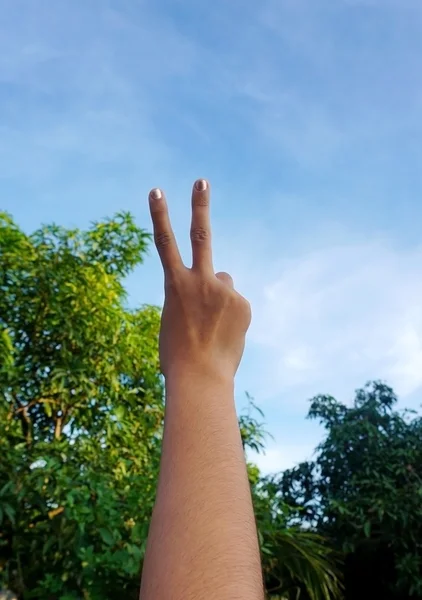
(364, 491)
(80, 411)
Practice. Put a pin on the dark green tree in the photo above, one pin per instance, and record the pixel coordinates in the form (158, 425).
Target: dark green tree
(364, 491)
(297, 563)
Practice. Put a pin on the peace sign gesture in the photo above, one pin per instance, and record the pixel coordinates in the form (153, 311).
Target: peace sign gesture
(204, 319)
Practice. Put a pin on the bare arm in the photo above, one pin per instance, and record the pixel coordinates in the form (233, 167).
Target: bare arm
(202, 542)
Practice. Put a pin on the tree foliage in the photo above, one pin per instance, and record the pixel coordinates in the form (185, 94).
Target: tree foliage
(297, 563)
(364, 491)
(81, 413)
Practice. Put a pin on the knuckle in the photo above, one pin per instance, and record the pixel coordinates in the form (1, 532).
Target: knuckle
(199, 234)
(244, 306)
(162, 239)
(201, 200)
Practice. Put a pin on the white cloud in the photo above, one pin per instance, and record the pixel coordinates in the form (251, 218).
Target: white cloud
(333, 318)
(326, 320)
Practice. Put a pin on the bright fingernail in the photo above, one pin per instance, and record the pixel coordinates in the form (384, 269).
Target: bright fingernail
(155, 194)
(201, 185)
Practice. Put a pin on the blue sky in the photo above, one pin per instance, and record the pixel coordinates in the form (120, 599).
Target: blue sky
(305, 115)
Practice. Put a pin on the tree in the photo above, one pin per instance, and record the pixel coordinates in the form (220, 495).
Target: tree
(80, 411)
(298, 564)
(364, 491)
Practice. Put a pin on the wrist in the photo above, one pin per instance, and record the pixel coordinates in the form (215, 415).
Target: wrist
(198, 376)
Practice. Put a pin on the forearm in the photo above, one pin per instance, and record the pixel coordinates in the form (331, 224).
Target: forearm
(202, 542)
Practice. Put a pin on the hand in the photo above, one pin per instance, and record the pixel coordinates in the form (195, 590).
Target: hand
(204, 319)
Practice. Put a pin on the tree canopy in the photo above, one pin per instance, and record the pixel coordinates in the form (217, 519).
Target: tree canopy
(81, 410)
(363, 491)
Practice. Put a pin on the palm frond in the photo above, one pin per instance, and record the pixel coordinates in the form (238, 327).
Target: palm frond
(301, 566)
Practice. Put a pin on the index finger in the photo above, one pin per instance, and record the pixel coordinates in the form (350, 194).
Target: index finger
(163, 233)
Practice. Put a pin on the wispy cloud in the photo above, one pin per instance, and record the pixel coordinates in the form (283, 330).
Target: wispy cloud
(83, 85)
(128, 76)
(354, 86)
(333, 318)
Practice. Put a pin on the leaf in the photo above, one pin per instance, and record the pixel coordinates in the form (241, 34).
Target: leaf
(119, 411)
(7, 487)
(49, 543)
(10, 512)
(106, 536)
(367, 529)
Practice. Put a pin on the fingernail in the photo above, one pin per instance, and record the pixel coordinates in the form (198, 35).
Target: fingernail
(155, 194)
(201, 185)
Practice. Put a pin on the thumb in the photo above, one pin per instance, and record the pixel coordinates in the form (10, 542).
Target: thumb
(225, 278)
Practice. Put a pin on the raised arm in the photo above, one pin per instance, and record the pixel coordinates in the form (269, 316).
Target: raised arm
(202, 542)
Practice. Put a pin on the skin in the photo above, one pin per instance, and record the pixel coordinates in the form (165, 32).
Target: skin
(202, 542)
